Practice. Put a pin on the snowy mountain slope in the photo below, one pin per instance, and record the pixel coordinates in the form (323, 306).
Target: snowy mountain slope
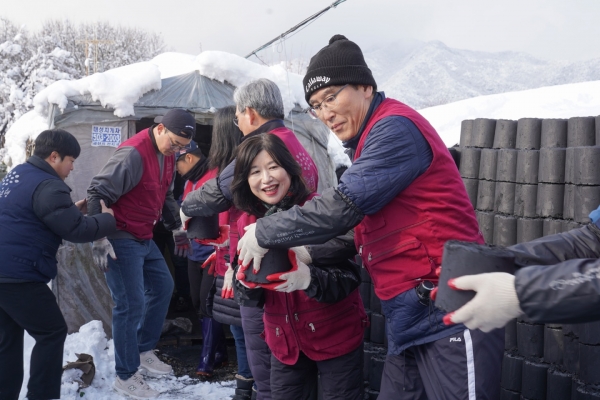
(429, 74)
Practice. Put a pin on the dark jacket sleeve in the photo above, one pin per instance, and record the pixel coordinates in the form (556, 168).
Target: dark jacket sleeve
(317, 221)
(559, 278)
(206, 201)
(394, 155)
(120, 175)
(52, 204)
(170, 211)
(333, 275)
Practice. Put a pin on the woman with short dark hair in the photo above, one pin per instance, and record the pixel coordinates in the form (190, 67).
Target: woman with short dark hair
(313, 314)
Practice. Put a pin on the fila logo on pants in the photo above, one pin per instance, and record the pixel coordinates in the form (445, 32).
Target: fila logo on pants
(455, 339)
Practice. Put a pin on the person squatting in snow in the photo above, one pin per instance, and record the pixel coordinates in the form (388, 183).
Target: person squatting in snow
(37, 213)
(137, 182)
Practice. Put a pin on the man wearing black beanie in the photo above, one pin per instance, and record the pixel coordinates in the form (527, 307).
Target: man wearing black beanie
(404, 197)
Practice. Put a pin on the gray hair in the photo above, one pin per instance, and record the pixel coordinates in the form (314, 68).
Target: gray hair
(262, 95)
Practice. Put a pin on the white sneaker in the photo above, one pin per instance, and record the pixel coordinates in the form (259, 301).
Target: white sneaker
(135, 387)
(149, 363)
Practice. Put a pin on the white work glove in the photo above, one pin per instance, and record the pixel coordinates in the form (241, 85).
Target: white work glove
(182, 243)
(249, 249)
(184, 219)
(101, 249)
(227, 289)
(298, 278)
(495, 303)
(302, 254)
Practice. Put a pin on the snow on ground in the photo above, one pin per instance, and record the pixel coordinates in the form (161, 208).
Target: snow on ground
(563, 101)
(92, 340)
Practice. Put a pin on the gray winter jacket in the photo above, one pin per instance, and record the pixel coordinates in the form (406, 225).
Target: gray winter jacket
(559, 276)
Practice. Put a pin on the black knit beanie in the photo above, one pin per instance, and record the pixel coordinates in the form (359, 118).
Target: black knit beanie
(338, 63)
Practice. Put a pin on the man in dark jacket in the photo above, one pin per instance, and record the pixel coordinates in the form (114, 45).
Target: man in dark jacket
(558, 282)
(137, 181)
(36, 214)
(405, 198)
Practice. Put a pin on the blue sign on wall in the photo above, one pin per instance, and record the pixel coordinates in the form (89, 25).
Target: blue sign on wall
(106, 136)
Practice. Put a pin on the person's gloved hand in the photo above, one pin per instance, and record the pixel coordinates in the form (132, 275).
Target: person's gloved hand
(184, 219)
(241, 277)
(298, 278)
(211, 262)
(221, 241)
(182, 243)
(101, 249)
(227, 289)
(493, 306)
(433, 294)
(249, 249)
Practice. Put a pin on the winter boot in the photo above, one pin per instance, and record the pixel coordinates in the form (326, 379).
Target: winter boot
(221, 357)
(243, 390)
(211, 331)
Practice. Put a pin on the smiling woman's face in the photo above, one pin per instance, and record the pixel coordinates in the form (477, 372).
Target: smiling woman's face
(268, 180)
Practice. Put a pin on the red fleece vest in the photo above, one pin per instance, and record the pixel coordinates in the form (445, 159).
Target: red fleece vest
(138, 210)
(295, 322)
(403, 242)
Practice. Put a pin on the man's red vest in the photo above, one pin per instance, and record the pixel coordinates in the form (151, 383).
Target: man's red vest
(402, 243)
(138, 210)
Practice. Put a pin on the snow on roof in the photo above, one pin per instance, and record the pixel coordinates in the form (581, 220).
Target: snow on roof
(236, 70)
(117, 88)
(562, 101)
(29, 126)
(120, 88)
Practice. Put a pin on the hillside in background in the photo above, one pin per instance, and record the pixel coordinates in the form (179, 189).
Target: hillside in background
(429, 74)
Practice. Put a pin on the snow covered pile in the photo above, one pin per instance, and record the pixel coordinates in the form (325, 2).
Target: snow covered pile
(91, 340)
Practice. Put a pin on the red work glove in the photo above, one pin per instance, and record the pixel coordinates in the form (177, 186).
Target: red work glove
(221, 241)
(241, 277)
(211, 262)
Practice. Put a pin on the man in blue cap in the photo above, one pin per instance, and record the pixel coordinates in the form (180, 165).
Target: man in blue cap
(137, 182)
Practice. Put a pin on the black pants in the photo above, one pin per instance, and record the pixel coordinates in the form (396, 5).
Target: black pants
(201, 285)
(464, 366)
(257, 351)
(341, 378)
(30, 307)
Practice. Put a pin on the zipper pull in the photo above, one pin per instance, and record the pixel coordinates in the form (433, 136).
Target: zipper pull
(277, 332)
(360, 250)
(312, 327)
(287, 321)
(296, 316)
